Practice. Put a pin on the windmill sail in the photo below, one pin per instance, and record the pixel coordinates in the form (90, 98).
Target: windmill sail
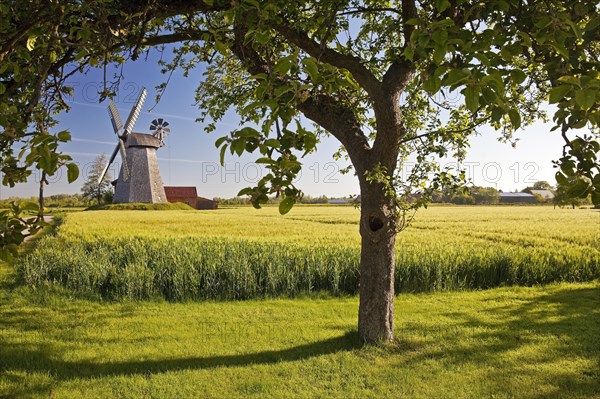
(135, 112)
(115, 118)
(110, 161)
(119, 148)
(124, 159)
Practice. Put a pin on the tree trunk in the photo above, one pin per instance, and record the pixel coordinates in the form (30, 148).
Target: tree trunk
(40, 216)
(377, 263)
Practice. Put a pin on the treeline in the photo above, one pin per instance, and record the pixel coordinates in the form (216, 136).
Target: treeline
(471, 196)
(53, 201)
(307, 199)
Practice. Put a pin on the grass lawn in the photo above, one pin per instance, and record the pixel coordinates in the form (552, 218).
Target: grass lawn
(514, 342)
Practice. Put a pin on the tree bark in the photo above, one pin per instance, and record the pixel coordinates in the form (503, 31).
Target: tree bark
(377, 263)
(40, 216)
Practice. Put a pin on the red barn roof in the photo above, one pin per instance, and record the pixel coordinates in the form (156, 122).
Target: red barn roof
(181, 191)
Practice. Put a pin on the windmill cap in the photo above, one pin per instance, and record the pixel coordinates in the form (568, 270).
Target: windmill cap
(142, 140)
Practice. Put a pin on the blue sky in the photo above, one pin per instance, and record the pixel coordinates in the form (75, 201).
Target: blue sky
(191, 159)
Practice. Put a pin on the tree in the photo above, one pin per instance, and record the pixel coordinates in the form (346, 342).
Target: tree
(93, 188)
(542, 185)
(538, 185)
(485, 195)
(566, 195)
(375, 75)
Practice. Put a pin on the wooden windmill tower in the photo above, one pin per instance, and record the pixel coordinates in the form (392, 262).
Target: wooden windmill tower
(139, 178)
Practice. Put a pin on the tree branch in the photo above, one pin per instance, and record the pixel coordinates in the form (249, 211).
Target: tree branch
(409, 11)
(176, 37)
(470, 127)
(361, 74)
(341, 123)
(400, 71)
(322, 109)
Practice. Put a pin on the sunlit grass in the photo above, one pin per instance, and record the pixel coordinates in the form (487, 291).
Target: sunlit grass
(502, 343)
(245, 253)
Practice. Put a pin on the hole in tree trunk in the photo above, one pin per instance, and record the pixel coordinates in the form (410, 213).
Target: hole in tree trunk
(375, 223)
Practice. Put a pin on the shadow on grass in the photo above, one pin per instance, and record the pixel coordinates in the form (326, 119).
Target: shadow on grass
(515, 342)
(43, 359)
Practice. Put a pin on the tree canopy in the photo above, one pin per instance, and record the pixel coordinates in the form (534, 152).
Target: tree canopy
(391, 80)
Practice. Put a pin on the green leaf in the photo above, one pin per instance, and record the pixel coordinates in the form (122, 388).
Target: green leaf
(283, 66)
(29, 206)
(585, 98)
(245, 191)
(252, 106)
(262, 37)
(220, 141)
(579, 190)
(456, 76)
(432, 84)
(351, 81)
(221, 47)
(248, 132)
(444, 23)
(310, 142)
(222, 155)
(558, 93)
(518, 76)
(273, 143)
(442, 5)
(440, 36)
(489, 95)
(286, 205)
(497, 114)
(64, 136)
(312, 69)
(572, 80)
(560, 49)
(238, 146)
(72, 172)
(409, 53)
(515, 118)
(439, 53)
(575, 29)
(471, 94)
(561, 179)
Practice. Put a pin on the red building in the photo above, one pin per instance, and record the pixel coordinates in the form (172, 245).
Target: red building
(189, 195)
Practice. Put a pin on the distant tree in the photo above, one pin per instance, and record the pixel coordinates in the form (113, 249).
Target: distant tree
(462, 199)
(307, 199)
(538, 185)
(542, 185)
(93, 189)
(485, 195)
(108, 197)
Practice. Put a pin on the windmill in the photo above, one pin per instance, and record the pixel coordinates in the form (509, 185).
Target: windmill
(139, 178)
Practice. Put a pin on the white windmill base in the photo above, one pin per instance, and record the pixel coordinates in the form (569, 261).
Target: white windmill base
(143, 183)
